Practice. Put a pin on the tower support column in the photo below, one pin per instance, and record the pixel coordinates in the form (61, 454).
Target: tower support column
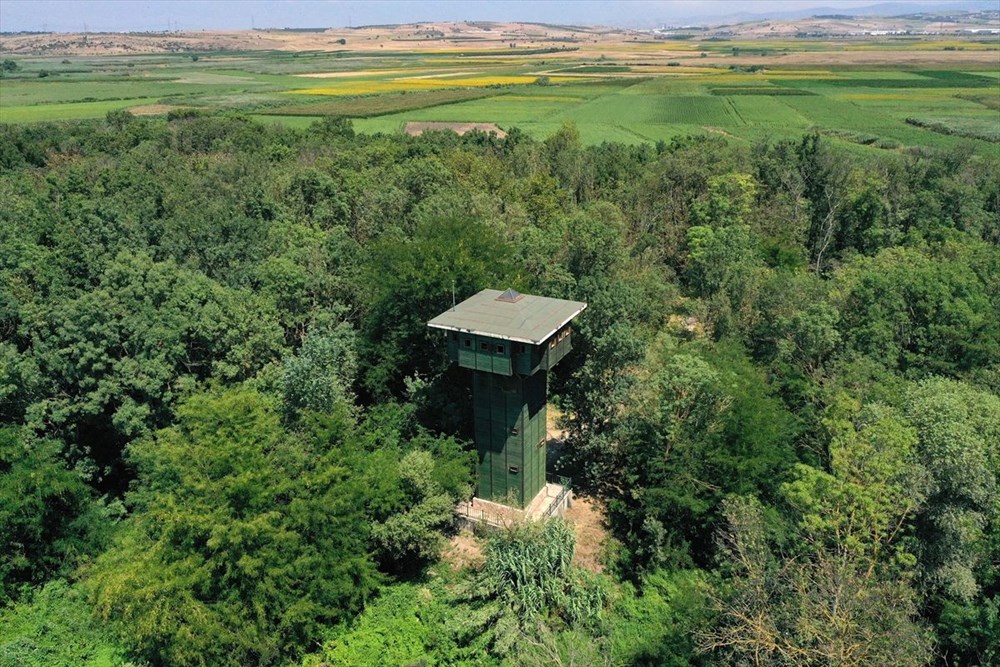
(510, 429)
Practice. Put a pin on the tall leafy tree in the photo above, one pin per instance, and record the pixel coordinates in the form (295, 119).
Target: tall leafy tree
(115, 358)
(842, 595)
(320, 376)
(49, 519)
(698, 427)
(959, 428)
(919, 313)
(410, 280)
(244, 539)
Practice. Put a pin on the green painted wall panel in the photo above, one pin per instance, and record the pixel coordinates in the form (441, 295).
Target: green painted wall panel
(509, 423)
(495, 357)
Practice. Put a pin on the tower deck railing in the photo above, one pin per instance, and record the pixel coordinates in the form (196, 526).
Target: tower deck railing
(556, 504)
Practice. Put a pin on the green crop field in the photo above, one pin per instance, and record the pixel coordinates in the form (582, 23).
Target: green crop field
(880, 107)
(68, 111)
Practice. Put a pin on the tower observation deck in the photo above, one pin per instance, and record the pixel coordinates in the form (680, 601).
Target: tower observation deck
(509, 341)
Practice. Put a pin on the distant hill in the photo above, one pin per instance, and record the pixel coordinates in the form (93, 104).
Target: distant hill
(436, 35)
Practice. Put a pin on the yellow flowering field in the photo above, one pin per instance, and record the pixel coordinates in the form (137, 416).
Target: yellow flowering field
(396, 85)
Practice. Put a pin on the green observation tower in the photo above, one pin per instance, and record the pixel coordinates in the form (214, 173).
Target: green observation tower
(509, 341)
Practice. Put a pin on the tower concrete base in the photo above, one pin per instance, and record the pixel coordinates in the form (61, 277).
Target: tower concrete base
(552, 500)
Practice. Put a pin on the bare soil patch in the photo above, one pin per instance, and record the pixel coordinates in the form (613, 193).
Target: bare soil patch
(342, 75)
(717, 130)
(463, 550)
(152, 109)
(586, 514)
(552, 416)
(415, 129)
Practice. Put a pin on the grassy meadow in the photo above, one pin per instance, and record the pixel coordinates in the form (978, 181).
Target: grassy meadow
(643, 92)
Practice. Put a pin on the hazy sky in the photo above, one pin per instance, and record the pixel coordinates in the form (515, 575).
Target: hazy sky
(141, 15)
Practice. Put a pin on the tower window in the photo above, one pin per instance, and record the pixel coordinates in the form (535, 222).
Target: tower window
(485, 347)
(500, 349)
(468, 343)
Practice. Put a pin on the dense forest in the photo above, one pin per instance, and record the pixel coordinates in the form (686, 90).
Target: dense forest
(229, 438)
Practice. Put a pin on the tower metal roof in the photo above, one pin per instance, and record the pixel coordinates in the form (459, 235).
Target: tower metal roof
(508, 315)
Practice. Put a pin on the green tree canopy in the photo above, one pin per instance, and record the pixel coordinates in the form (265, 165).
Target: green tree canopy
(48, 516)
(244, 540)
(958, 428)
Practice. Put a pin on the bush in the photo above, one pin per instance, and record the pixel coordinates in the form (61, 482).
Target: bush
(55, 628)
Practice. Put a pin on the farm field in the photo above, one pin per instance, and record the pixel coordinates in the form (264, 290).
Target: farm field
(880, 94)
